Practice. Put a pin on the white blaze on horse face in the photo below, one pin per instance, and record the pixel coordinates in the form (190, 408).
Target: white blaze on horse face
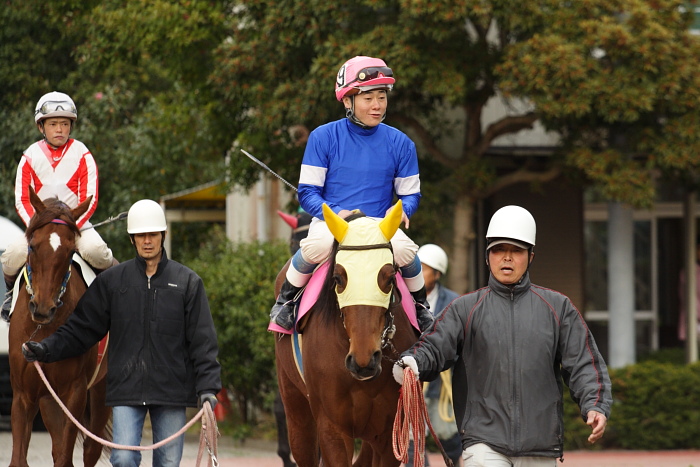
(362, 266)
(54, 241)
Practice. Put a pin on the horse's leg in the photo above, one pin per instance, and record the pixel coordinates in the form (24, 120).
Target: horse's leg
(336, 449)
(22, 417)
(283, 449)
(75, 399)
(364, 458)
(99, 416)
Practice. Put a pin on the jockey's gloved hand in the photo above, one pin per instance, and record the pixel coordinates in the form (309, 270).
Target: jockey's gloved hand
(211, 398)
(35, 351)
(402, 363)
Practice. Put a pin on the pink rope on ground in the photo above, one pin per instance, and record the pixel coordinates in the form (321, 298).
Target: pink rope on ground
(210, 440)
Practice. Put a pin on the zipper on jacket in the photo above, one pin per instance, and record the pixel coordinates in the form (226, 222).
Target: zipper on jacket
(515, 426)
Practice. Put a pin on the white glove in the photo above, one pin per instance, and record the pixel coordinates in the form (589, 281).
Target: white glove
(402, 363)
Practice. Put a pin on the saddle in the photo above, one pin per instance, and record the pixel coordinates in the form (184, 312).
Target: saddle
(310, 293)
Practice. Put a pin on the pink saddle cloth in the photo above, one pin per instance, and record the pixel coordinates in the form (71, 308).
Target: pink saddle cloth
(313, 288)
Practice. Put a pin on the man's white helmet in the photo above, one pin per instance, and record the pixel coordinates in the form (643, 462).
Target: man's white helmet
(146, 216)
(514, 225)
(433, 256)
(55, 104)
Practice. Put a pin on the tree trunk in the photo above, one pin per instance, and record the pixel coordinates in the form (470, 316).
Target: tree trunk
(459, 276)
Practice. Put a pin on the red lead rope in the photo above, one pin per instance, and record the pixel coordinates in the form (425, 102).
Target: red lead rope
(412, 416)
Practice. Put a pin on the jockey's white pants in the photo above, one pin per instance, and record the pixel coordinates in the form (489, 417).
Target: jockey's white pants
(92, 248)
(317, 246)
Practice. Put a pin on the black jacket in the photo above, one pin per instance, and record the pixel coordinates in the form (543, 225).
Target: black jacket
(512, 348)
(162, 342)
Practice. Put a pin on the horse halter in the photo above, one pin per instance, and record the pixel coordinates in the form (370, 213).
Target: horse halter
(389, 326)
(28, 273)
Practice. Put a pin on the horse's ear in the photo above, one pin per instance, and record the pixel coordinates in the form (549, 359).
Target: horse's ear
(336, 224)
(390, 224)
(35, 200)
(81, 208)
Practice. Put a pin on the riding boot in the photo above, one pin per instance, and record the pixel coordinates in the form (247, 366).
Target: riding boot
(423, 314)
(282, 312)
(7, 302)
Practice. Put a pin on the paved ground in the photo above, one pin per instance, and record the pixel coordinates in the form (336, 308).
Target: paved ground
(263, 454)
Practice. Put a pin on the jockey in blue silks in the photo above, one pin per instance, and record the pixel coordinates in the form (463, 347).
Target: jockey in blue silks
(356, 163)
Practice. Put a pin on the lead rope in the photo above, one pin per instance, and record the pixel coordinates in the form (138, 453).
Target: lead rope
(208, 437)
(411, 417)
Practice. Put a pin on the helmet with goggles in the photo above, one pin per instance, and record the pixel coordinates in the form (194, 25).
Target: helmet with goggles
(55, 104)
(363, 74)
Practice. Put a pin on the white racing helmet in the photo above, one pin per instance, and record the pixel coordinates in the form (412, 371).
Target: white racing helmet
(513, 225)
(433, 256)
(55, 104)
(146, 216)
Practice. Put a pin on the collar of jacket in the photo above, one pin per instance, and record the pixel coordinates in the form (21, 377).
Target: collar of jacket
(508, 291)
(141, 263)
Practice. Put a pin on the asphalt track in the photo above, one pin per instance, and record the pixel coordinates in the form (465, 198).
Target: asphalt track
(255, 453)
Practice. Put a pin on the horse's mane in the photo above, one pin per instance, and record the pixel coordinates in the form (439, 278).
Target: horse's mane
(327, 303)
(55, 209)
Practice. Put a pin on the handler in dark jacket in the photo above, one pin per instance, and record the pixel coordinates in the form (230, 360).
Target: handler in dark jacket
(513, 344)
(162, 342)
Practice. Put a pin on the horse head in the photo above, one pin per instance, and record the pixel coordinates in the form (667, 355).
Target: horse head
(51, 236)
(364, 273)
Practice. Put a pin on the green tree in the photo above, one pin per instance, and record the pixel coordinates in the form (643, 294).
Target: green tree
(239, 280)
(138, 72)
(452, 59)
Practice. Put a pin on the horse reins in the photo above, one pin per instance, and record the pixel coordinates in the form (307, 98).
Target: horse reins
(28, 273)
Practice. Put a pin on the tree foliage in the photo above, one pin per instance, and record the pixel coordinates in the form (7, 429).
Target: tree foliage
(454, 59)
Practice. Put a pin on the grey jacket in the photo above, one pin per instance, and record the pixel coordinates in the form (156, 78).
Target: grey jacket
(516, 346)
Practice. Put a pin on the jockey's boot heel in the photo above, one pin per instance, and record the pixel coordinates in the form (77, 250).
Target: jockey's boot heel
(282, 312)
(423, 315)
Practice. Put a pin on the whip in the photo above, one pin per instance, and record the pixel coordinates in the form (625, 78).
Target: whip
(118, 217)
(261, 164)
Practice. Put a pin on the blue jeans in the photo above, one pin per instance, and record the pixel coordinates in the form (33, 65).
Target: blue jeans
(128, 427)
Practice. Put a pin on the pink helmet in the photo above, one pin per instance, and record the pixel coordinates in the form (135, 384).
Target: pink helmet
(363, 74)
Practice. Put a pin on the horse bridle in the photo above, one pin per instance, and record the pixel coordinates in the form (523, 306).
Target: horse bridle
(28, 273)
(389, 326)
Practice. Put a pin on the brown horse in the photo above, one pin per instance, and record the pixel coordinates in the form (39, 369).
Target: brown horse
(351, 336)
(49, 297)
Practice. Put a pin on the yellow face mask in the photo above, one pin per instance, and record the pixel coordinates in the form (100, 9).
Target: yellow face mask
(362, 266)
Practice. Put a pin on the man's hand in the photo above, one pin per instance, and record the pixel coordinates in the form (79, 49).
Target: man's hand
(35, 351)
(208, 397)
(402, 363)
(597, 421)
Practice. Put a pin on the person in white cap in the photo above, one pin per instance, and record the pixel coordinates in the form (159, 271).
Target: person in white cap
(356, 162)
(162, 341)
(56, 166)
(513, 345)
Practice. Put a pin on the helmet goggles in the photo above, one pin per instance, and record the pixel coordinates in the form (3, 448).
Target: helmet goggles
(372, 72)
(50, 107)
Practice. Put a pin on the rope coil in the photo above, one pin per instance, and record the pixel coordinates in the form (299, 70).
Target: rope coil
(412, 417)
